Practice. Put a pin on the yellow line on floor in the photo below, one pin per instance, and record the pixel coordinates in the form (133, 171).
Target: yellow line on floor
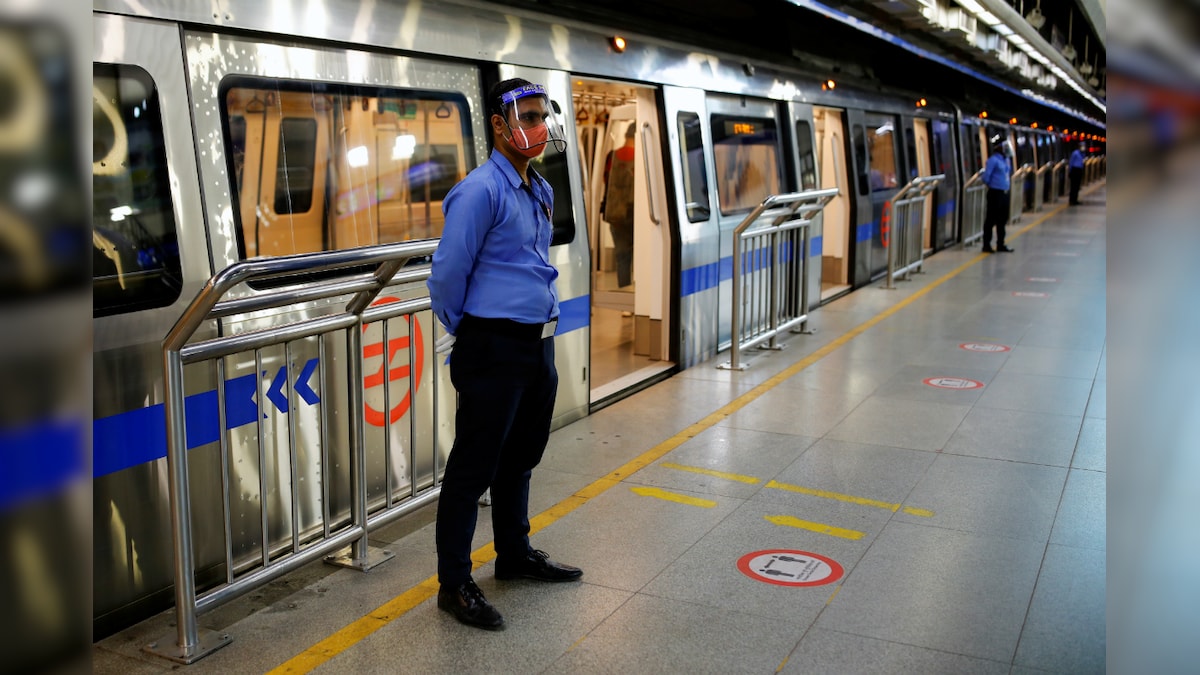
(710, 472)
(672, 497)
(819, 528)
(352, 634)
(861, 501)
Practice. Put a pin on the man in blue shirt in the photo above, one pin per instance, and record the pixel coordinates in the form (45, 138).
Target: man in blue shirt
(1075, 173)
(492, 287)
(996, 175)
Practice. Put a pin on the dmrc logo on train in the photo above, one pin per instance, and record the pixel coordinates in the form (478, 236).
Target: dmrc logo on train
(380, 366)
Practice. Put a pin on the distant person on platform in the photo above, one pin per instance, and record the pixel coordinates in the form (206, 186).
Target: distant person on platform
(1075, 172)
(997, 175)
(492, 287)
(618, 204)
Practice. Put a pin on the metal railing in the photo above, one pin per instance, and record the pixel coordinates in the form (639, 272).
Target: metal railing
(974, 208)
(1016, 193)
(770, 270)
(906, 241)
(297, 322)
(1039, 186)
(1059, 180)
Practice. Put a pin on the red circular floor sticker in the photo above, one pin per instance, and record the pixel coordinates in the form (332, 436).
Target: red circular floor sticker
(790, 568)
(983, 347)
(953, 383)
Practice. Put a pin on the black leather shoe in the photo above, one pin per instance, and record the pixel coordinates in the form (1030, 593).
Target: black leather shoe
(467, 604)
(986, 249)
(1005, 249)
(536, 565)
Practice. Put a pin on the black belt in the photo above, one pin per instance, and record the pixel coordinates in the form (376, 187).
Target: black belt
(508, 327)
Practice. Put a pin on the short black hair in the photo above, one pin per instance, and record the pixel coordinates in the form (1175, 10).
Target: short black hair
(499, 89)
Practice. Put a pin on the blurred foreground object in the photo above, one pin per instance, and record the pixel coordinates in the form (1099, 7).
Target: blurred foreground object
(45, 311)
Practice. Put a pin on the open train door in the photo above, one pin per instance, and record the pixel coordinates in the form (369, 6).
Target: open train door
(833, 171)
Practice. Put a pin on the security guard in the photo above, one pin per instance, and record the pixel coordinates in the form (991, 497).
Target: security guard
(996, 176)
(492, 287)
(1075, 173)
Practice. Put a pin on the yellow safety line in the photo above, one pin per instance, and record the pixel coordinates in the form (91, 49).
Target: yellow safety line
(819, 528)
(861, 501)
(347, 637)
(710, 472)
(672, 497)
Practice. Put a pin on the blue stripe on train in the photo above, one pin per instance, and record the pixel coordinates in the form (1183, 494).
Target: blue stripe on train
(139, 436)
(704, 277)
(40, 460)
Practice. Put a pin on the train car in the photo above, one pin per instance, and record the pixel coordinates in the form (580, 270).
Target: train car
(260, 130)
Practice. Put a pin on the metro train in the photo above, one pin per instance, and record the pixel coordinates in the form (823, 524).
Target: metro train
(242, 130)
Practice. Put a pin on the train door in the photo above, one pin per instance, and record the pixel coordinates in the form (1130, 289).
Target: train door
(748, 166)
(832, 171)
(877, 179)
(947, 190)
(629, 262)
(923, 166)
(804, 162)
(150, 258)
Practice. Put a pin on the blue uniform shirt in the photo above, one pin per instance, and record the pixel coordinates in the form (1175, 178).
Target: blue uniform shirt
(995, 173)
(1076, 160)
(494, 257)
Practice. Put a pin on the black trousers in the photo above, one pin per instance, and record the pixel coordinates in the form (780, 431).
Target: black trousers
(1076, 178)
(996, 216)
(506, 388)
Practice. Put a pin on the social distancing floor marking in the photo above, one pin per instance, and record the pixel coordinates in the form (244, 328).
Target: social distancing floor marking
(361, 628)
(820, 528)
(673, 497)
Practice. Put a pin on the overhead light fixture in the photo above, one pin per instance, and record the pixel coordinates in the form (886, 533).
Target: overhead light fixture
(618, 43)
(1068, 50)
(1035, 17)
(828, 85)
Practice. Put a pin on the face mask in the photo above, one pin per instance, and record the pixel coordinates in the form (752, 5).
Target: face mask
(530, 142)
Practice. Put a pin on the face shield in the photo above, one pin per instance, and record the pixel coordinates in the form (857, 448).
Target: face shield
(532, 120)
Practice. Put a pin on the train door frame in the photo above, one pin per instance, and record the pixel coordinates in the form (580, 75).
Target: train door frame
(834, 165)
(646, 349)
(923, 147)
(128, 517)
(697, 238)
(749, 108)
(871, 236)
(797, 114)
(572, 259)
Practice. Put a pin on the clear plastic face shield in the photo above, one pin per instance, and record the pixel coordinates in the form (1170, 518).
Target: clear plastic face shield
(532, 120)
(1004, 144)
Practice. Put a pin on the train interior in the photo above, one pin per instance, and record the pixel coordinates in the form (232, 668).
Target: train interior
(629, 264)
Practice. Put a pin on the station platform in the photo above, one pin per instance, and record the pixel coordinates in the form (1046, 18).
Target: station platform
(917, 487)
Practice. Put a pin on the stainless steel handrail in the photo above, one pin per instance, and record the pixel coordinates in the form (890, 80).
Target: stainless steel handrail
(1039, 186)
(776, 214)
(651, 193)
(904, 206)
(178, 350)
(973, 208)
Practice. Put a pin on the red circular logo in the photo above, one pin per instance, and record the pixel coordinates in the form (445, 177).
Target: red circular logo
(783, 567)
(387, 372)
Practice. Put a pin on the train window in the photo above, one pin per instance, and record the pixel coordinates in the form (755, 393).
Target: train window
(552, 165)
(747, 161)
(808, 160)
(297, 161)
(972, 161)
(860, 160)
(882, 152)
(910, 142)
(321, 166)
(694, 167)
(135, 250)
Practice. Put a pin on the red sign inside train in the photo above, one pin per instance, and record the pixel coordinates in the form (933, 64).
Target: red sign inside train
(784, 567)
(393, 368)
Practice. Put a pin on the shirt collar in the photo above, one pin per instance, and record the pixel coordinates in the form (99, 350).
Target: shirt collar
(510, 172)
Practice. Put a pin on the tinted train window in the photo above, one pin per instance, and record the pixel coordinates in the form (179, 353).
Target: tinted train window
(694, 167)
(552, 165)
(860, 160)
(882, 153)
(972, 161)
(747, 161)
(326, 166)
(808, 160)
(135, 251)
